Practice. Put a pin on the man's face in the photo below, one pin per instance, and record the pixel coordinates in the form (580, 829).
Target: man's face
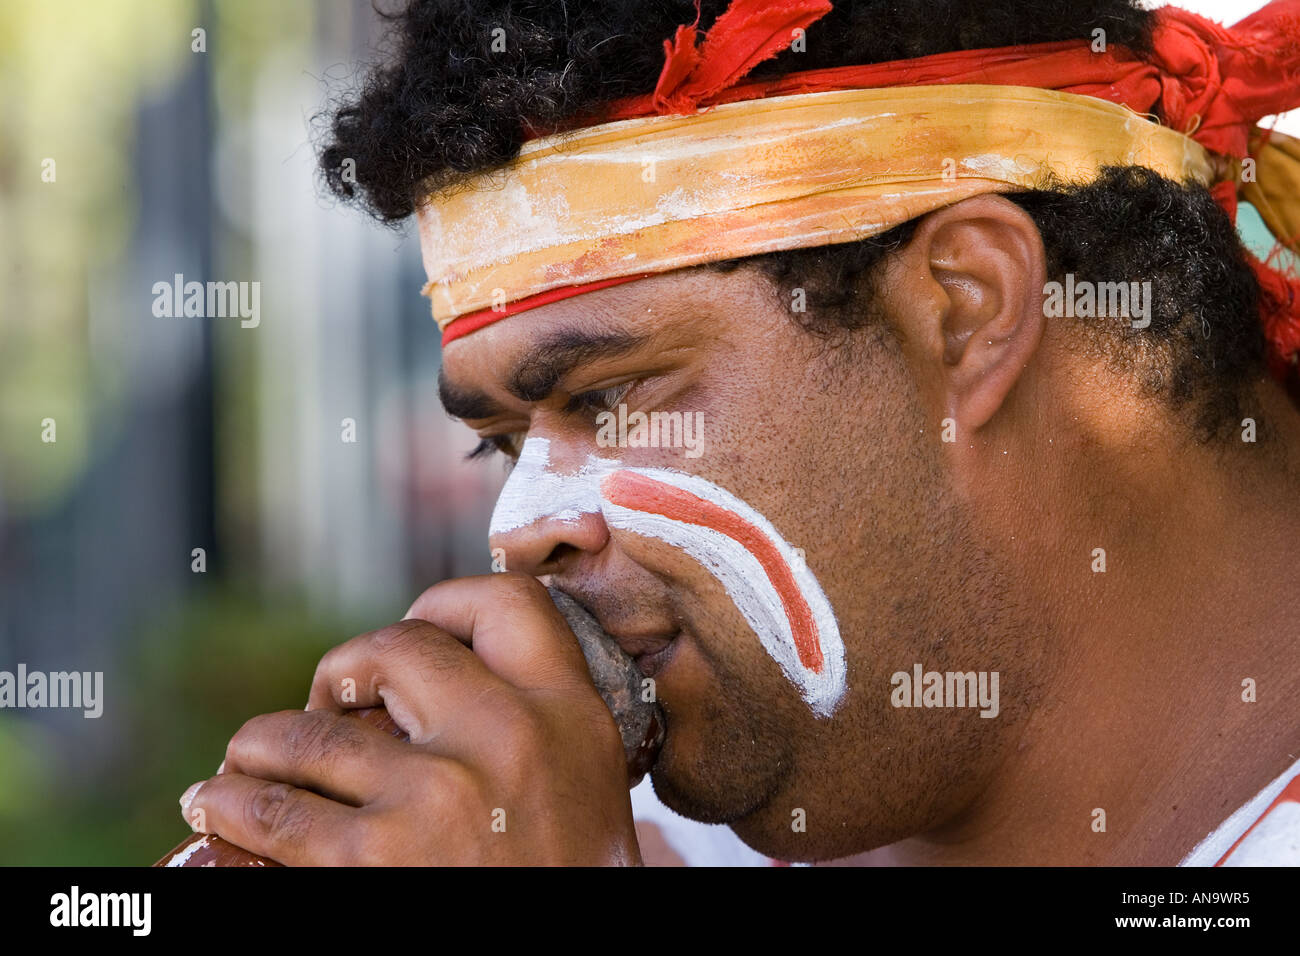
(830, 443)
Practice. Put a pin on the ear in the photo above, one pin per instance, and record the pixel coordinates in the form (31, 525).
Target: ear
(967, 295)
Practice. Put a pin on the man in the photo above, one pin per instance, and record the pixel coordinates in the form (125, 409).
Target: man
(984, 556)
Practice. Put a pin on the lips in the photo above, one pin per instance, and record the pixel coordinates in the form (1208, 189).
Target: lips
(640, 644)
(651, 662)
(651, 649)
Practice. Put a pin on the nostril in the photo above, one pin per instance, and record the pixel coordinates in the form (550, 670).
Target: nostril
(556, 540)
(558, 554)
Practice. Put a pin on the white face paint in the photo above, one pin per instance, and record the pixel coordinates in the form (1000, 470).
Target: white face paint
(533, 491)
(774, 590)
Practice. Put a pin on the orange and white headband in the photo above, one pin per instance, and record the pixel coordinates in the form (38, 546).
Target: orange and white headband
(706, 169)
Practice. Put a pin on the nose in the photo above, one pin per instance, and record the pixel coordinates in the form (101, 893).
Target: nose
(546, 545)
(547, 513)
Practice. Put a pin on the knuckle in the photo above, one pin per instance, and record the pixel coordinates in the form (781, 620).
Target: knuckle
(418, 648)
(330, 661)
(303, 739)
(342, 737)
(280, 811)
(400, 640)
(245, 737)
(335, 664)
(318, 736)
(247, 729)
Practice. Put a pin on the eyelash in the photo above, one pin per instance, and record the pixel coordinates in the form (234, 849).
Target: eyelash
(605, 400)
(488, 446)
(602, 400)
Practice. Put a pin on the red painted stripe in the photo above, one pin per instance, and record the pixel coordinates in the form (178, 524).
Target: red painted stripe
(473, 321)
(642, 493)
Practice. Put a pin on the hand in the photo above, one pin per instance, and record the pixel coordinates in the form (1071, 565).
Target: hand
(513, 759)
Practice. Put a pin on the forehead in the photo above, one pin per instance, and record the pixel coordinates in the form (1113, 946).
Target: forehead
(690, 306)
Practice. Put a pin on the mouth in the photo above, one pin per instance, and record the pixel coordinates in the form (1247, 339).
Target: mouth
(650, 649)
(652, 662)
(651, 652)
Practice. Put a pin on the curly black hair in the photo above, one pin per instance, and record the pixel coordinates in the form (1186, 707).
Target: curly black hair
(447, 103)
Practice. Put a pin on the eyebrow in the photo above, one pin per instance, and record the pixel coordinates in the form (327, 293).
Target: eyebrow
(536, 375)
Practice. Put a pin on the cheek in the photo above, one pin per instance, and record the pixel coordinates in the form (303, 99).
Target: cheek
(697, 598)
(761, 575)
(719, 665)
(719, 638)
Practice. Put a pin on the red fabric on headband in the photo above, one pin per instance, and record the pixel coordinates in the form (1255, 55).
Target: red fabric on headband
(746, 34)
(1208, 81)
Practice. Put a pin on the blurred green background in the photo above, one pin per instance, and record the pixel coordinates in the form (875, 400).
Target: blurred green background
(176, 152)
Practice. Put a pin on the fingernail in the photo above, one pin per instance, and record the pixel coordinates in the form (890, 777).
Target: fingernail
(403, 717)
(188, 796)
(222, 768)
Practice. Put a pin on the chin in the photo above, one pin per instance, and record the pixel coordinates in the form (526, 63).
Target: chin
(723, 759)
(704, 790)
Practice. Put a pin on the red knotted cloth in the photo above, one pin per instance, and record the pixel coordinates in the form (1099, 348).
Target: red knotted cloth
(1211, 82)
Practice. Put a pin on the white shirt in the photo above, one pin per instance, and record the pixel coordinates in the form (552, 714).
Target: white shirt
(1269, 823)
(698, 844)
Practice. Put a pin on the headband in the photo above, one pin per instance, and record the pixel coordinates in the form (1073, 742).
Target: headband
(706, 168)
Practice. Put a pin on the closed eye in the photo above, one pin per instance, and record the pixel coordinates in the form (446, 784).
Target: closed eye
(599, 400)
(489, 446)
(602, 400)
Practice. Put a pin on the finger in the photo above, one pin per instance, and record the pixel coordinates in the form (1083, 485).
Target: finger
(513, 626)
(277, 820)
(338, 756)
(432, 684)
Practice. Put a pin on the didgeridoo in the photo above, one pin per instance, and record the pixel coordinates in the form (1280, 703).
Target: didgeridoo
(615, 675)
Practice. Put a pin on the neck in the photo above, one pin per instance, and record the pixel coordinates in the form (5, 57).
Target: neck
(1145, 715)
